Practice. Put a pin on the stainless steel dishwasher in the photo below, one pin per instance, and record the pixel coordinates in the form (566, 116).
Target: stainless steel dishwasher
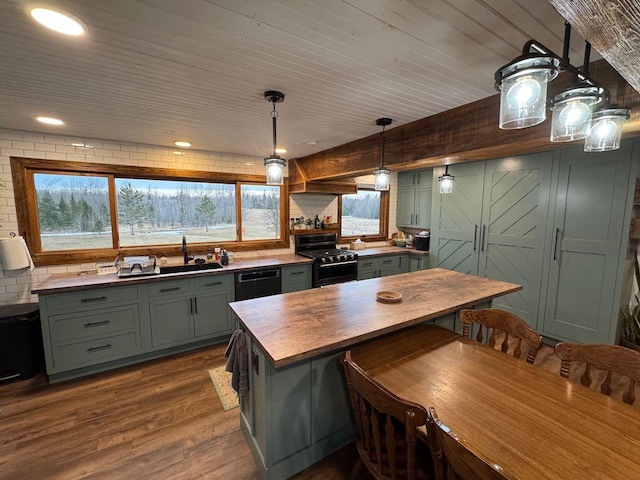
(258, 283)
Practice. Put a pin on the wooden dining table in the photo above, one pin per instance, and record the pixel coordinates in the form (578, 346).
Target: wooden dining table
(534, 424)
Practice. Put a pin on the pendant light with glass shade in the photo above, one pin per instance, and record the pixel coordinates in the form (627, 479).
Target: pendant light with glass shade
(274, 163)
(523, 86)
(382, 175)
(446, 181)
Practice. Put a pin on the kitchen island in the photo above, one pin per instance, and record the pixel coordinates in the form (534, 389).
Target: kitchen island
(297, 409)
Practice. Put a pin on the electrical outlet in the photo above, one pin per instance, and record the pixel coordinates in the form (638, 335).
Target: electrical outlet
(105, 269)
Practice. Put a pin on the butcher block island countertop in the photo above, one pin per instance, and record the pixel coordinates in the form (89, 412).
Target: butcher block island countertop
(301, 325)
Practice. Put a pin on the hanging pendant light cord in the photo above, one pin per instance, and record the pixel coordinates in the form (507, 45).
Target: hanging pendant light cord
(382, 150)
(274, 115)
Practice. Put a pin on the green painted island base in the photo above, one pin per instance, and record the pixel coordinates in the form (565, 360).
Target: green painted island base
(296, 415)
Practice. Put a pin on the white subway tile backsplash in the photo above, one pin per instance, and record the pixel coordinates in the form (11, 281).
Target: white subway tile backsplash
(11, 152)
(55, 156)
(10, 136)
(22, 145)
(65, 149)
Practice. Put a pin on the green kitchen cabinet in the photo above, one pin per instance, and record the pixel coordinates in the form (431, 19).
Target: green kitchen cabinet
(588, 237)
(296, 278)
(418, 261)
(85, 329)
(414, 199)
(553, 222)
(190, 308)
(382, 266)
(494, 224)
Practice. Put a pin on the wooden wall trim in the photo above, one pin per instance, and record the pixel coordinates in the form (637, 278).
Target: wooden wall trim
(464, 134)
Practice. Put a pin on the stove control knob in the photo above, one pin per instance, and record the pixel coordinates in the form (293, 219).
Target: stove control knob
(323, 260)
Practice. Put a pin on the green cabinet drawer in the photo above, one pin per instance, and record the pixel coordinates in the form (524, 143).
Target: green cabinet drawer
(93, 322)
(213, 282)
(170, 287)
(296, 278)
(67, 356)
(90, 298)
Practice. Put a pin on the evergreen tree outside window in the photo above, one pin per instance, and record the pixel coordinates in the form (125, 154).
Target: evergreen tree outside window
(361, 214)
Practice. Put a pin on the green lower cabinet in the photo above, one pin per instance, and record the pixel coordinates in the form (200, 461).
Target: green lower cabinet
(418, 261)
(104, 328)
(171, 320)
(296, 278)
(382, 266)
(202, 312)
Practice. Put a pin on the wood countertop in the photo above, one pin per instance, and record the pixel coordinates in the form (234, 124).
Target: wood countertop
(300, 325)
(69, 282)
(389, 250)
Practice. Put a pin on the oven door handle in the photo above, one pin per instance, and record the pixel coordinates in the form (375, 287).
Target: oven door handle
(328, 265)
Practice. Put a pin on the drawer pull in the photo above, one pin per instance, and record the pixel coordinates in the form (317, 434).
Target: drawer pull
(96, 299)
(387, 261)
(367, 264)
(212, 284)
(101, 347)
(297, 273)
(172, 289)
(97, 324)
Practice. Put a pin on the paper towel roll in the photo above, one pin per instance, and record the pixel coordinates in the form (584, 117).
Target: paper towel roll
(15, 254)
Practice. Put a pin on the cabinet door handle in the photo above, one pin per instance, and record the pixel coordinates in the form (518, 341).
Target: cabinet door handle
(483, 238)
(172, 289)
(212, 284)
(416, 218)
(97, 324)
(419, 181)
(475, 236)
(191, 305)
(96, 299)
(413, 179)
(101, 347)
(555, 248)
(411, 223)
(195, 303)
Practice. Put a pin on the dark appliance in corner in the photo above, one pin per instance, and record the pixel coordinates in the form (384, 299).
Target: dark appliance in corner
(330, 264)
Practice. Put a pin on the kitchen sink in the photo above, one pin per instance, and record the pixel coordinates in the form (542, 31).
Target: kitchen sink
(191, 267)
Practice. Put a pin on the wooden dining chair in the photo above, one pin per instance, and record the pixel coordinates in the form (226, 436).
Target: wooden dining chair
(386, 429)
(609, 358)
(452, 457)
(499, 321)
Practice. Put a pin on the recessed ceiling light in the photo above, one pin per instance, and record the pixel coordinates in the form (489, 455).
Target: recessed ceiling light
(58, 20)
(50, 121)
(281, 150)
(311, 143)
(182, 143)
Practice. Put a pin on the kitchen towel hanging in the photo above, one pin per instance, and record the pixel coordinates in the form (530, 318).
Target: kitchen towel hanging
(15, 254)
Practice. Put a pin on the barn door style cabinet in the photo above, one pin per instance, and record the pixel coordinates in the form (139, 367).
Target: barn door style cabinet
(493, 225)
(553, 222)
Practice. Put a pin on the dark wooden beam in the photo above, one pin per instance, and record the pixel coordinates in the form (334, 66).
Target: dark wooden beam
(464, 134)
(612, 27)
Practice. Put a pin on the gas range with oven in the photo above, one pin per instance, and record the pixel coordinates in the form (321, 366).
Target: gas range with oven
(330, 264)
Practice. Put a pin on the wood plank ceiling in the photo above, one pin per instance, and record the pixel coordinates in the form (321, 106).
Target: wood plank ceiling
(153, 71)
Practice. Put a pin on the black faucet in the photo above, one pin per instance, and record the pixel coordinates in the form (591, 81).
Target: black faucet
(184, 250)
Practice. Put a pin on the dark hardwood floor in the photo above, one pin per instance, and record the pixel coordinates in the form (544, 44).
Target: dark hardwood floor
(159, 420)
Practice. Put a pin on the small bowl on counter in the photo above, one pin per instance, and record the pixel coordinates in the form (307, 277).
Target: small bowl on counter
(400, 242)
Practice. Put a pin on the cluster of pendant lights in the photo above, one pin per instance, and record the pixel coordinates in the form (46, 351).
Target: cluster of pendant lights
(582, 111)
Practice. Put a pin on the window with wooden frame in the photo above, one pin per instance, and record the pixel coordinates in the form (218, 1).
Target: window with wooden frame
(73, 212)
(364, 215)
